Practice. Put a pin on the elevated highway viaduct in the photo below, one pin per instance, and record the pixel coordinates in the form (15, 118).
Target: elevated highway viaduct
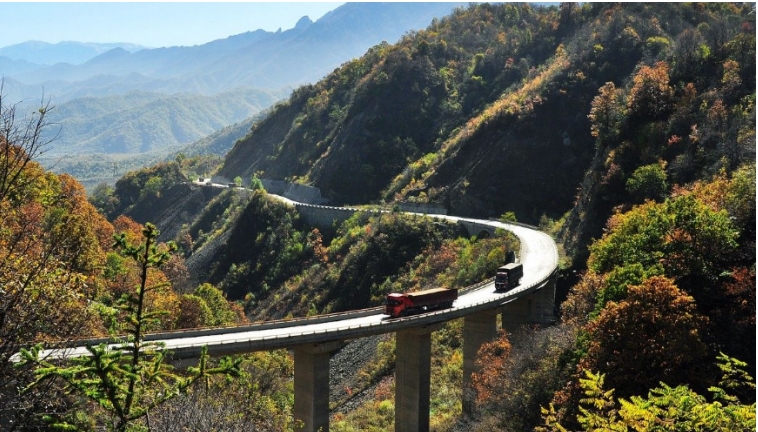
(313, 339)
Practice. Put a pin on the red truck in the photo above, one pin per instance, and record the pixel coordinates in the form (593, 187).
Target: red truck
(398, 305)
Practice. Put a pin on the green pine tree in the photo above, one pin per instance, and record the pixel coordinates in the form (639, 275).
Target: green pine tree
(130, 377)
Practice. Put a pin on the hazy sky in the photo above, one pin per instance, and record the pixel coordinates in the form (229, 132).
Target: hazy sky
(150, 23)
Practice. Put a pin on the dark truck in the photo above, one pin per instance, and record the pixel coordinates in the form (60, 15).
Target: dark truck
(398, 305)
(508, 276)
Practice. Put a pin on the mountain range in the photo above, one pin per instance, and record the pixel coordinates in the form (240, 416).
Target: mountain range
(40, 54)
(130, 101)
(259, 59)
(122, 106)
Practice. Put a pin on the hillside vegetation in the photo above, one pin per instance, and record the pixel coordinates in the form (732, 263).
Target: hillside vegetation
(625, 130)
(62, 277)
(140, 122)
(460, 113)
(565, 117)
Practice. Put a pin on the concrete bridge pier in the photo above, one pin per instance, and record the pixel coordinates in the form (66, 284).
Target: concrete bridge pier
(312, 385)
(413, 352)
(478, 329)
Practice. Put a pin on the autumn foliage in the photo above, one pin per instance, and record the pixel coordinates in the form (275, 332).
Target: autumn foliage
(498, 105)
(654, 335)
(660, 292)
(60, 277)
(493, 360)
(651, 95)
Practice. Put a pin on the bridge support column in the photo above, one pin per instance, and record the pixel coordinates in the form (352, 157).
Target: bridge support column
(535, 308)
(478, 329)
(312, 385)
(413, 351)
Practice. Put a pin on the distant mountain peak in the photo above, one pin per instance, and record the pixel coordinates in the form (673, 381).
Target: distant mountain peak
(110, 55)
(303, 23)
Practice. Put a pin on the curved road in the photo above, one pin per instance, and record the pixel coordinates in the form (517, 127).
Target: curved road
(539, 257)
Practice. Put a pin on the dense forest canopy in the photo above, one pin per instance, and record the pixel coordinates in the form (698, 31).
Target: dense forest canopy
(449, 114)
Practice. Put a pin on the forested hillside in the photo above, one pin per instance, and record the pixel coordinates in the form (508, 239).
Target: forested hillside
(63, 277)
(565, 117)
(485, 111)
(625, 130)
(141, 122)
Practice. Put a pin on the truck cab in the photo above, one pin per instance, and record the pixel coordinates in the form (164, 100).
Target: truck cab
(395, 304)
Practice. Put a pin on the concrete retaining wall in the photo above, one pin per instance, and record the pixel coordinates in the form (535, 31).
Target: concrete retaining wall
(323, 217)
(294, 191)
(423, 208)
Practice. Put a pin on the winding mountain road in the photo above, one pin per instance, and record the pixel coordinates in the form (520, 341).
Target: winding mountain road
(539, 257)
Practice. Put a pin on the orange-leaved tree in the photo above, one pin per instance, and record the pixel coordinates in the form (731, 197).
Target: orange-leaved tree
(653, 335)
(50, 250)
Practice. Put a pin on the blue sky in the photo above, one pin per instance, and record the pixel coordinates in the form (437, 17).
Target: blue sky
(150, 24)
